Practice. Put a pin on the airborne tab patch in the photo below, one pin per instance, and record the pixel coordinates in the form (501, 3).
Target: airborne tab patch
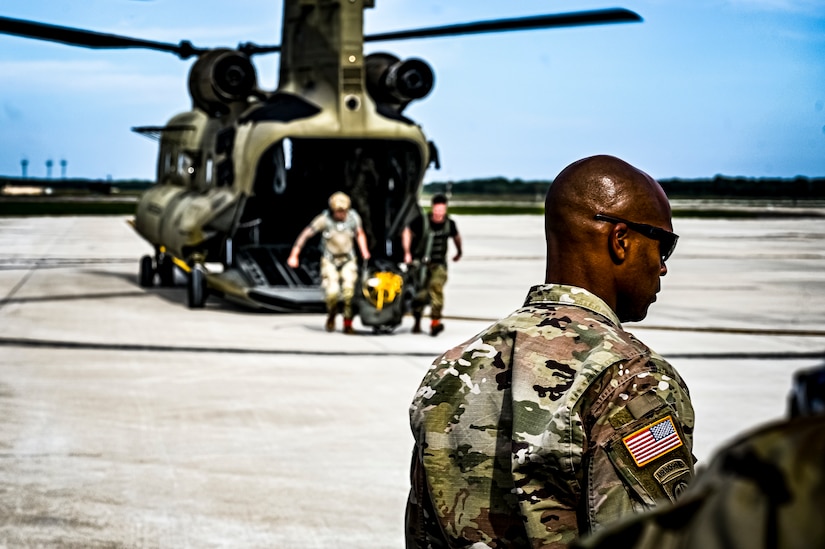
(652, 441)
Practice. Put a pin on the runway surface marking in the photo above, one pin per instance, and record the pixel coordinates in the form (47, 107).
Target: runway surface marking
(87, 345)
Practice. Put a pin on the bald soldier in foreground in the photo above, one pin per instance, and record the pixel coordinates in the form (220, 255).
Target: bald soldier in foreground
(555, 421)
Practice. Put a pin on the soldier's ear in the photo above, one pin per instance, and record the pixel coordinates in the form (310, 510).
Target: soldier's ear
(618, 243)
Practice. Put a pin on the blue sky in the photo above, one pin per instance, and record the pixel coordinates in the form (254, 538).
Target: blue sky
(700, 88)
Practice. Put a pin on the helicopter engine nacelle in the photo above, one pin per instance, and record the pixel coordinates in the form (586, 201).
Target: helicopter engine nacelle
(395, 83)
(221, 77)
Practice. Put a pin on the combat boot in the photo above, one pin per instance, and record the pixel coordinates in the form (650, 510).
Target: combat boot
(436, 327)
(331, 321)
(416, 329)
(348, 329)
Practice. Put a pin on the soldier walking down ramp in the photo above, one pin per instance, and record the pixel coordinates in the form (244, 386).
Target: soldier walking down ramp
(554, 421)
(432, 234)
(339, 227)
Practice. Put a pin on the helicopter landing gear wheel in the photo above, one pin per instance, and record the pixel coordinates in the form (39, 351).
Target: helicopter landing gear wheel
(146, 275)
(196, 288)
(166, 270)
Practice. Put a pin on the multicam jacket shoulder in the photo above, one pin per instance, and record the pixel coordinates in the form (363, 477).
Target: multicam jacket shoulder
(551, 422)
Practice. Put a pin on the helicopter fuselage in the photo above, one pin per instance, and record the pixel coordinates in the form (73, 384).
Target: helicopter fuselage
(242, 173)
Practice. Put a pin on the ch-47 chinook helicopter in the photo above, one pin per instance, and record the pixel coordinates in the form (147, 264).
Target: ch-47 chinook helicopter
(242, 172)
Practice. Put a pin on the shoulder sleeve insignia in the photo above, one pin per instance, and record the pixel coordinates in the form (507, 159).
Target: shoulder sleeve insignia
(652, 441)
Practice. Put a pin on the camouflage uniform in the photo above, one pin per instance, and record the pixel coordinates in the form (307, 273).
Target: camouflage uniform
(551, 422)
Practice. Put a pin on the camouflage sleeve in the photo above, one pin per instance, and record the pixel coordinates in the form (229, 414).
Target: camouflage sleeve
(547, 444)
(639, 440)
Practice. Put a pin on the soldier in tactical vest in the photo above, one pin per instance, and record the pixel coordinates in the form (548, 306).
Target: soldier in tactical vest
(431, 235)
(339, 226)
(555, 421)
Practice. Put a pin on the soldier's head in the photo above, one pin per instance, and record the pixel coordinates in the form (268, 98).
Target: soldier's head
(608, 228)
(439, 208)
(339, 204)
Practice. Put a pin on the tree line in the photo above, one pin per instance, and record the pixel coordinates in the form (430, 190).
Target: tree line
(800, 187)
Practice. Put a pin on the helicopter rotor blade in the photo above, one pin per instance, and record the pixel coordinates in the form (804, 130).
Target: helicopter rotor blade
(571, 19)
(250, 49)
(556, 20)
(90, 39)
(185, 49)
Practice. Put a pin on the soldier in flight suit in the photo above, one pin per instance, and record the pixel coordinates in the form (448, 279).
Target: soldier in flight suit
(555, 421)
(339, 227)
(433, 234)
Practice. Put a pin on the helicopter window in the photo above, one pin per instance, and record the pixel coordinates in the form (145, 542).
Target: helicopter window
(278, 170)
(167, 162)
(287, 142)
(208, 169)
(185, 165)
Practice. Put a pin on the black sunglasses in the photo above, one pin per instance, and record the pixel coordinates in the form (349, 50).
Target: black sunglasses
(667, 240)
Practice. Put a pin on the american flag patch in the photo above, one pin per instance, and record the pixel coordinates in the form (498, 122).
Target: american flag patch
(652, 441)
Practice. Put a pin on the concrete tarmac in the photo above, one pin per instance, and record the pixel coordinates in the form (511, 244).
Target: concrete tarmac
(129, 420)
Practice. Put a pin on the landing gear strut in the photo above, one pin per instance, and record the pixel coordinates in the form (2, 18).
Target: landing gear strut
(166, 270)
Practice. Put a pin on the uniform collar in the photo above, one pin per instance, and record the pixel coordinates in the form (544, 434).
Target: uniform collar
(570, 295)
